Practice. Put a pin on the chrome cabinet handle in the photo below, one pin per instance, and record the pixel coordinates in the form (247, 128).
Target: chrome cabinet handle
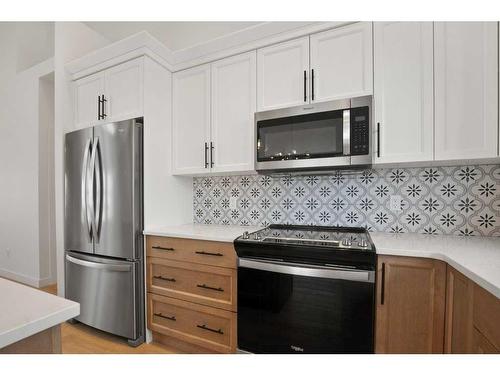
(201, 252)
(206, 155)
(163, 248)
(211, 155)
(203, 326)
(103, 101)
(171, 279)
(160, 315)
(99, 107)
(204, 286)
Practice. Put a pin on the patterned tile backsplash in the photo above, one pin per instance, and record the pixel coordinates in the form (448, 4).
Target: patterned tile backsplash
(434, 200)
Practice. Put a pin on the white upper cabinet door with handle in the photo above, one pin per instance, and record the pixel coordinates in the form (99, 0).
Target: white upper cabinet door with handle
(124, 90)
(341, 62)
(466, 90)
(403, 92)
(191, 120)
(87, 107)
(283, 74)
(233, 108)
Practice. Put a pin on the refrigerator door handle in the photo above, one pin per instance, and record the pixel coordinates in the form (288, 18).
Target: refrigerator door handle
(92, 184)
(99, 189)
(102, 266)
(85, 188)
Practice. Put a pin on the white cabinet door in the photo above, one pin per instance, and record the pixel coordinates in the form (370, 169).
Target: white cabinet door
(466, 91)
(282, 74)
(403, 91)
(233, 108)
(191, 120)
(124, 90)
(341, 61)
(87, 91)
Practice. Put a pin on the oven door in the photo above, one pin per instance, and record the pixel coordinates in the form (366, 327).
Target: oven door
(291, 308)
(304, 137)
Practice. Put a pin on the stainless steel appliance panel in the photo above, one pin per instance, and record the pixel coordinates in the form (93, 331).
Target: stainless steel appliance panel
(118, 171)
(106, 290)
(78, 191)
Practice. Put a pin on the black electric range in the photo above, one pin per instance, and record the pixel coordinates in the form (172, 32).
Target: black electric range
(306, 289)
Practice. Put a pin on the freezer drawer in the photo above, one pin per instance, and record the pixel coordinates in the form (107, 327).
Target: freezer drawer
(107, 291)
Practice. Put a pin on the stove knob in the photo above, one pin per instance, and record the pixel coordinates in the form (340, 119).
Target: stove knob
(257, 237)
(245, 235)
(362, 243)
(346, 242)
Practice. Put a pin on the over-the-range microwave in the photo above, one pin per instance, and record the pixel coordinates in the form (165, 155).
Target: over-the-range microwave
(319, 136)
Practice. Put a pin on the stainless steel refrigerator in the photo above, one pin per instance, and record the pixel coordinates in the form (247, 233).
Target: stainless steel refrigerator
(103, 227)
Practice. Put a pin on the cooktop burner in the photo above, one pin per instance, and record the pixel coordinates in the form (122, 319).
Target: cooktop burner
(316, 244)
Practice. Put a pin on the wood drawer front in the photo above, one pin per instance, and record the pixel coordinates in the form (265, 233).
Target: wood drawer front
(205, 326)
(486, 314)
(211, 253)
(211, 286)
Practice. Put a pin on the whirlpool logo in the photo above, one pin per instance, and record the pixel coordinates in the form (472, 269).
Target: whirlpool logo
(296, 348)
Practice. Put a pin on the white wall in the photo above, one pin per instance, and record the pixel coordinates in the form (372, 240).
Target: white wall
(72, 40)
(19, 162)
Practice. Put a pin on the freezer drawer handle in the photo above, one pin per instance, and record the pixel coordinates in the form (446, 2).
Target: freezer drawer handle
(102, 266)
(219, 331)
(165, 278)
(160, 315)
(207, 253)
(163, 248)
(204, 286)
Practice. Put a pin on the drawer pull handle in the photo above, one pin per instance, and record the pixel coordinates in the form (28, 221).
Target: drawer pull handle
(165, 278)
(163, 248)
(219, 331)
(204, 286)
(207, 253)
(160, 315)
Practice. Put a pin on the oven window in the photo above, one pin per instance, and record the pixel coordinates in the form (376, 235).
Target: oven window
(316, 135)
(281, 313)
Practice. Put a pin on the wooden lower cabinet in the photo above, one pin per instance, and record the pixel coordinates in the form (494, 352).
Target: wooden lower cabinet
(410, 308)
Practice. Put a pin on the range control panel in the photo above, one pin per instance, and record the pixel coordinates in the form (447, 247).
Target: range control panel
(360, 131)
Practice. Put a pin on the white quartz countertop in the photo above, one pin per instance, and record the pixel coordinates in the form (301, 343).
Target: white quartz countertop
(222, 233)
(478, 258)
(25, 311)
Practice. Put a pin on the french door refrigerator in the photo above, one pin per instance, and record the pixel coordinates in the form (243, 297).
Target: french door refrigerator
(103, 227)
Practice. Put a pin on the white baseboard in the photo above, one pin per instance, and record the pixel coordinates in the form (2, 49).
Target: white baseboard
(24, 279)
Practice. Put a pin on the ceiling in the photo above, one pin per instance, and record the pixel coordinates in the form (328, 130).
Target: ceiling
(174, 35)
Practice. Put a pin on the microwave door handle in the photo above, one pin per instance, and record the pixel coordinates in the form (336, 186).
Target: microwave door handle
(346, 132)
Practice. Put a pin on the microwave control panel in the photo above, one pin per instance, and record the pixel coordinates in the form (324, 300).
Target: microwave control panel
(360, 131)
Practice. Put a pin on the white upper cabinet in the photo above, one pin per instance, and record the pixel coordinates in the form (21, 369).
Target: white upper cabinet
(466, 90)
(111, 95)
(341, 63)
(283, 75)
(403, 92)
(87, 92)
(191, 120)
(233, 107)
(124, 90)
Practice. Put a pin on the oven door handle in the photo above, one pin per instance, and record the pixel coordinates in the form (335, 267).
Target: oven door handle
(309, 271)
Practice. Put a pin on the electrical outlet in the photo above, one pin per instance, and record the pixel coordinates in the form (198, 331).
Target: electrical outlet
(232, 203)
(395, 203)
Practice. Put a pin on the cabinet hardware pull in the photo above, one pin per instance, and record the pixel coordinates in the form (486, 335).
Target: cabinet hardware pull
(204, 286)
(382, 285)
(211, 155)
(103, 101)
(164, 248)
(160, 315)
(305, 86)
(312, 84)
(206, 155)
(165, 278)
(219, 331)
(99, 107)
(207, 253)
(378, 139)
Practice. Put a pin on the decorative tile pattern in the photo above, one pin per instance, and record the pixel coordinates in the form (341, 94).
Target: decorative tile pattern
(434, 200)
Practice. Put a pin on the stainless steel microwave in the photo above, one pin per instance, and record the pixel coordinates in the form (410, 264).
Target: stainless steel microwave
(319, 136)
